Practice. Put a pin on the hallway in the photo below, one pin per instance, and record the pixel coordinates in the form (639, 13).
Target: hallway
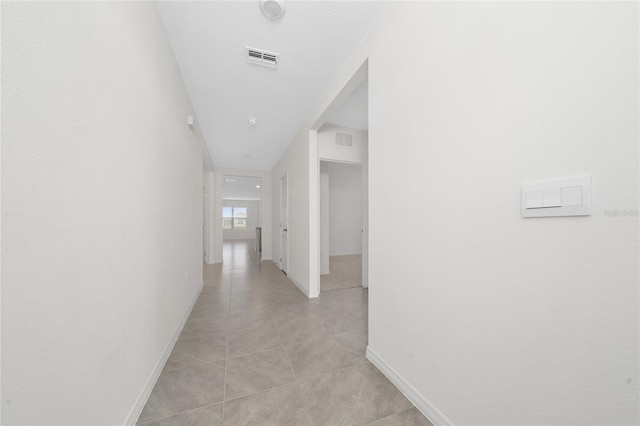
(255, 350)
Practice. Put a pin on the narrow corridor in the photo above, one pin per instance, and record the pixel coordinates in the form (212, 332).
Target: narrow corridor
(256, 351)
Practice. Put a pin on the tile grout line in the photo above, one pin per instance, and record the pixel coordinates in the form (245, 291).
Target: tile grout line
(177, 414)
(303, 379)
(295, 377)
(226, 358)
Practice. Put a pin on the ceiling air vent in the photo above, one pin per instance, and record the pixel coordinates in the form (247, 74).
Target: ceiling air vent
(263, 58)
(345, 139)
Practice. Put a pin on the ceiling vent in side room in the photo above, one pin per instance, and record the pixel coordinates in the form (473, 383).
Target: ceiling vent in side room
(263, 58)
(345, 139)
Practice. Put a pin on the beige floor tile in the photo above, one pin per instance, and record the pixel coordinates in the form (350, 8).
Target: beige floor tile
(240, 305)
(283, 315)
(410, 417)
(279, 406)
(249, 319)
(197, 350)
(285, 297)
(318, 356)
(301, 331)
(279, 357)
(252, 373)
(344, 321)
(346, 272)
(196, 327)
(355, 342)
(185, 389)
(210, 312)
(253, 340)
(355, 395)
(210, 415)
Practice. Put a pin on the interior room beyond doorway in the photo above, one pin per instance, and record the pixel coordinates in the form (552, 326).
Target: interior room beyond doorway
(341, 215)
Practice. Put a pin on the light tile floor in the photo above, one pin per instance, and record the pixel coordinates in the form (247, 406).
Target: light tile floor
(345, 272)
(256, 351)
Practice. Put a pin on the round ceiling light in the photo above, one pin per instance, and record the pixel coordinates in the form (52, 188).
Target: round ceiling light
(273, 9)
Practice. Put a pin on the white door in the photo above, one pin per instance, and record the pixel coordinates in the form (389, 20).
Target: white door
(284, 208)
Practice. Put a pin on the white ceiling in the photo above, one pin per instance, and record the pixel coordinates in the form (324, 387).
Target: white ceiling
(354, 112)
(241, 188)
(314, 38)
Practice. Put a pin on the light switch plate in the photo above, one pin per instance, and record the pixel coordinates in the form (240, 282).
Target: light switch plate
(560, 197)
(534, 199)
(572, 196)
(552, 197)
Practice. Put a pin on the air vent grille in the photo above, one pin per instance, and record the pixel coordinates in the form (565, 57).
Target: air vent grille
(344, 139)
(263, 58)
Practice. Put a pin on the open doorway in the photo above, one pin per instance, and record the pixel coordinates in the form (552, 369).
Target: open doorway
(342, 147)
(341, 225)
(241, 218)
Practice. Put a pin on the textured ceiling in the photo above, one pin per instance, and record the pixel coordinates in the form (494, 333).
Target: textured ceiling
(314, 38)
(241, 188)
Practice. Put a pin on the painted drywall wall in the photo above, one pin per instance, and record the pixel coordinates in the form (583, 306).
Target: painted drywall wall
(211, 206)
(101, 209)
(265, 208)
(345, 209)
(253, 220)
(492, 318)
(295, 165)
(329, 150)
(324, 219)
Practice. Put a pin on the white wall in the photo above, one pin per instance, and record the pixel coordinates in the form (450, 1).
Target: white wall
(211, 207)
(101, 209)
(345, 209)
(328, 150)
(253, 220)
(295, 164)
(265, 208)
(492, 318)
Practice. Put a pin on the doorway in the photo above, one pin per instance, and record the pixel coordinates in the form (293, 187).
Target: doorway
(340, 133)
(341, 225)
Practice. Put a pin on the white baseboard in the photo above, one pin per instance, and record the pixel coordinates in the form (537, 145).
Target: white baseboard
(136, 410)
(425, 406)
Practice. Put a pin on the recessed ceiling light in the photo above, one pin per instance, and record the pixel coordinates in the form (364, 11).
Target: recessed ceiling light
(273, 9)
(257, 186)
(253, 121)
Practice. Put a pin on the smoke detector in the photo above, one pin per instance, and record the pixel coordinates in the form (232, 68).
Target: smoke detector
(273, 9)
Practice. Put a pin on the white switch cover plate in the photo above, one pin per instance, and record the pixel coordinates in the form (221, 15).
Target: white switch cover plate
(560, 197)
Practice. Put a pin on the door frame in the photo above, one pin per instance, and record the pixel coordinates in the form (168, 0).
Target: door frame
(284, 228)
(364, 235)
(359, 75)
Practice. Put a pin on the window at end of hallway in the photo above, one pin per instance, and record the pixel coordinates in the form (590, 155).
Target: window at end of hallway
(234, 217)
